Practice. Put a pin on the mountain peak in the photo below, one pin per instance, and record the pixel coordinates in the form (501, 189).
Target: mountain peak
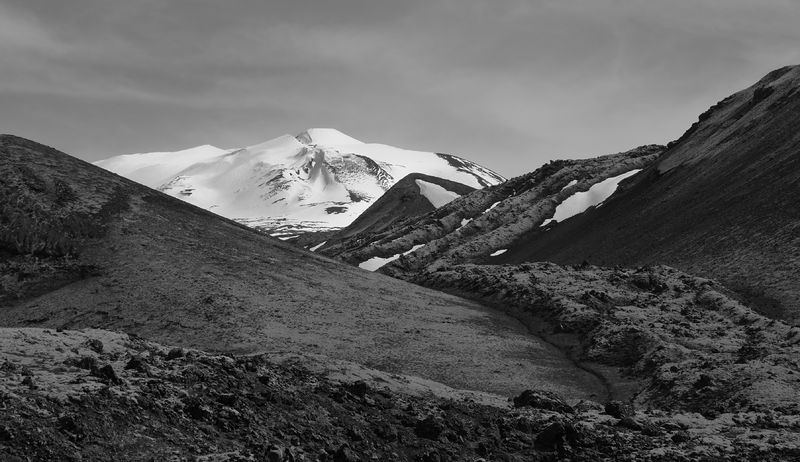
(319, 179)
(326, 136)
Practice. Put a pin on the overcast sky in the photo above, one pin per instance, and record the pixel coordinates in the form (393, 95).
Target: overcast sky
(510, 84)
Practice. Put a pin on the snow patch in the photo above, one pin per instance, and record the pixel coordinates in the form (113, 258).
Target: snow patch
(376, 262)
(464, 222)
(498, 252)
(437, 195)
(492, 206)
(314, 249)
(571, 183)
(582, 200)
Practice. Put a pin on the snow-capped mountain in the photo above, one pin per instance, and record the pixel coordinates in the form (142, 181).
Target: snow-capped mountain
(319, 179)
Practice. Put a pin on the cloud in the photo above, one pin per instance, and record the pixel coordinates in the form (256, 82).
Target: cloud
(511, 84)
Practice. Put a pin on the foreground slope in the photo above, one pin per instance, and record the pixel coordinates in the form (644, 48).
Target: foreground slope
(319, 179)
(97, 395)
(82, 247)
(721, 202)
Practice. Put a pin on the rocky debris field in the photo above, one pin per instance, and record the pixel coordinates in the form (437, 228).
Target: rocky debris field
(663, 339)
(92, 395)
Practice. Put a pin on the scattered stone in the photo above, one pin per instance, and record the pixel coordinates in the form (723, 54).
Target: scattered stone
(630, 422)
(552, 437)
(387, 432)
(681, 436)
(197, 409)
(429, 428)
(585, 405)
(345, 454)
(106, 373)
(619, 409)
(430, 455)
(275, 453)
(227, 399)
(84, 362)
(542, 399)
(705, 380)
(95, 345)
(69, 424)
(175, 353)
(138, 364)
(358, 388)
(8, 366)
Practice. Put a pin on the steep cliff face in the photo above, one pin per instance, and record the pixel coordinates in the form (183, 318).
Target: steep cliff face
(721, 202)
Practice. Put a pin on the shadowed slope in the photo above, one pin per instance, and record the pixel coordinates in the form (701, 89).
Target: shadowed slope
(474, 226)
(721, 202)
(138, 261)
(401, 201)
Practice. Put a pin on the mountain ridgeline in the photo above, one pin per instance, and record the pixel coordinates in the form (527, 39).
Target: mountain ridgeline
(720, 202)
(594, 309)
(473, 227)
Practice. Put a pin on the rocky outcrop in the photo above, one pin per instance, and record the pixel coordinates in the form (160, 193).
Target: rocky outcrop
(200, 406)
(662, 338)
(471, 228)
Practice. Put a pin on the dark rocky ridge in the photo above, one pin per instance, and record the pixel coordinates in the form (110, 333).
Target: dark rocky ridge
(469, 228)
(402, 201)
(721, 202)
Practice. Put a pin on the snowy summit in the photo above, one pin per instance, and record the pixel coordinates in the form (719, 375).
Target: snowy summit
(319, 179)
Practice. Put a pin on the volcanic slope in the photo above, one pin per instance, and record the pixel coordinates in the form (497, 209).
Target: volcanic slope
(320, 179)
(405, 199)
(722, 202)
(95, 395)
(82, 247)
(477, 226)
